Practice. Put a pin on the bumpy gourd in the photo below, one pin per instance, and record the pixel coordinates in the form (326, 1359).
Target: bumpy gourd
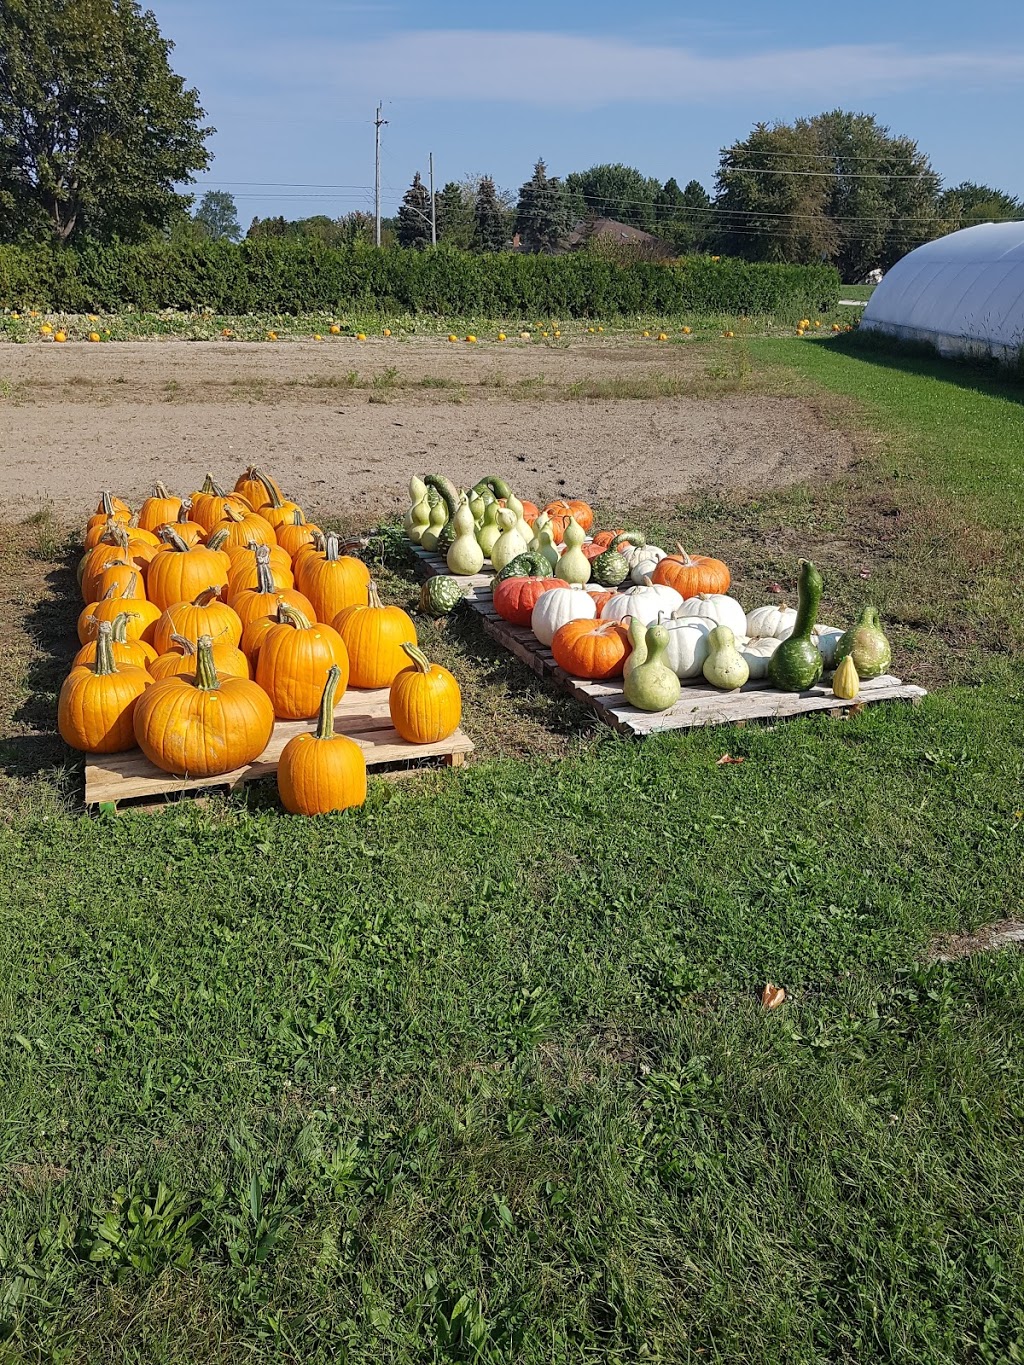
(725, 667)
(846, 683)
(465, 556)
(866, 644)
(440, 595)
(574, 566)
(489, 530)
(527, 565)
(542, 541)
(797, 663)
(417, 518)
(450, 497)
(651, 685)
(510, 543)
(611, 567)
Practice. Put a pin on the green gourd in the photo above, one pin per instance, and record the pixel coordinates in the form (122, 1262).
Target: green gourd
(510, 543)
(529, 565)
(489, 530)
(498, 488)
(464, 556)
(725, 667)
(418, 515)
(522, 525)
(651, 685)
(865, 643)
(612, 567)
(430, 533)
(476, 506)
(574, 566)
(637, 633)
(797, 663)
(450, 498)
(440, 595)
(543, 543)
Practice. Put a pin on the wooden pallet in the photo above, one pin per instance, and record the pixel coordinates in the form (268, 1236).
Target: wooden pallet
(362, 715)
(699, 703)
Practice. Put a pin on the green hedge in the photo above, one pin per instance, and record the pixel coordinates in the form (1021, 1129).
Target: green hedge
(300, 277)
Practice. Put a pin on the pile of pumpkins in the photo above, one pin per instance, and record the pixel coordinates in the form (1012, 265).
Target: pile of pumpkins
(611, 605)
(208, 618)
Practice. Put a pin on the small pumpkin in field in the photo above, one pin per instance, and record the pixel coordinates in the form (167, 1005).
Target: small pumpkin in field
(202, 725)
(295, 655)
(191, 532)
(206, 614)
(97, 701)
(159, 508)
(591, 649)
(123, 577)
(322, 771)
(109, 506)
(242, 565)
(425, 700)
(692, 575)
(180, 660)
(129, 544)
(135, 653)
(331, 580)
(294, 533)
(180, 572)
(374, 637)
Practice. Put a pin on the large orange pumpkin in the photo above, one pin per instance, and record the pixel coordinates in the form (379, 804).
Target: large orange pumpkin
(294, 658)
(425, 700)
(179, 572)
(244, 572)
(374, 636)
(591, 649)
(159, 509)
(97, 701)
(209, 502)
(692, 575)
(332, 580)
(253, 485)
(323, 771)
(124, 578)
(201, 725)
(582, 511)
(272, 507)
(243, 528)
(206, 614)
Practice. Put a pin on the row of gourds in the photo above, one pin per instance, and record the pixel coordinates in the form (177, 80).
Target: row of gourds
(208, 618)
(611, 605)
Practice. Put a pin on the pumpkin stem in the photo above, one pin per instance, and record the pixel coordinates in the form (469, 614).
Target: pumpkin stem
(206, 669)
(419, 659)
(288, 615)
(185, 510)
(104, 664)
(217, 540)
(106, 504)
(208, 485)
(231, 513)
(207, 596)
(683, 555)
(169, 534)
(297, 518)
(325, 716)
(119, 629)
(331, 546)
(184, 645)
(264, 577)
(160, 490)
(273, 498)
(131, 588)
(373, 596)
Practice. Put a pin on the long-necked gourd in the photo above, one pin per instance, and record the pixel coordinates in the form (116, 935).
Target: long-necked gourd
(637, 632)
(651, 685)
(574, 566)
(497, 487)
(418, 515)
(464, 555)
(724, 666)
(430, 532)
(542, 541)
(522, 525)
(489, 529)
(450, 498)
(797, 663)
(509, 543)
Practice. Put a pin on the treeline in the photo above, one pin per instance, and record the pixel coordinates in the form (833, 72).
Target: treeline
(299, 276)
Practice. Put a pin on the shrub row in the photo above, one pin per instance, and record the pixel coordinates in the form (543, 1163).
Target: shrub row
(271, 276)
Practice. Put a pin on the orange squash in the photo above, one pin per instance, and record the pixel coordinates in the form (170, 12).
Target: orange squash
(179, 572)
(332, 580)
(322, 771)
(206, 614)
(134, 653)
(142, 616)
(265, 598)
(158, 509)
(294, 658)
(374, 636)
(425, 700)
(591, 649)
(98, 700)
(180, 660)
(692, 575)
(244, 528)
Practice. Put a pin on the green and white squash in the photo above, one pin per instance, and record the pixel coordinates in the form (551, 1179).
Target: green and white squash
(612, 566)
(509, 543)
(651, 685)
(725, 667)
(797, 664)
(440, 595)
(465, 556)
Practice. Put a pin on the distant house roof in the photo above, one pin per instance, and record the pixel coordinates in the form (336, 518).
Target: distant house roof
(610, 230)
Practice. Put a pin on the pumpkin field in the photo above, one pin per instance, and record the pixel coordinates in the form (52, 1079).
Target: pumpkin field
(701, 1046)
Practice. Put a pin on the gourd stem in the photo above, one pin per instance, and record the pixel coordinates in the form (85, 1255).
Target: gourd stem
(325, 716)
(268, 483)
(119, 628)
(104, 664)
(264, 578)
(206, 669)
(288, 615)
(206, 597)
(217, 540)
(331, 545)
(420, 660)
(170, 535)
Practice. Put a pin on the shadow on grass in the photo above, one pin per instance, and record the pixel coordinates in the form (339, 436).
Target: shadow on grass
(912, 358)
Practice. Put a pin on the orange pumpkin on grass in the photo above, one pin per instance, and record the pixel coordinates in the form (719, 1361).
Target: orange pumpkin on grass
(322, 771)
(692, 574)
(425, 700)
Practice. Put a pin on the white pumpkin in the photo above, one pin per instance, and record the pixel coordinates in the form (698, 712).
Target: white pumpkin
(719, 609)
(687, 644)
(557, 607)
(775, 620)
(757, 653)
(643, 561)
(645, 602)
(827, 640)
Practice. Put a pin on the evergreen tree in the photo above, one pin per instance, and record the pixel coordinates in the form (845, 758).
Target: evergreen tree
(414, 215)
(455, 217)
(489, 231)
(542, 214)
(218, 217)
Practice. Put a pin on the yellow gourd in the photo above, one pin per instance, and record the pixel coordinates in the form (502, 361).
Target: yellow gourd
(846, 683)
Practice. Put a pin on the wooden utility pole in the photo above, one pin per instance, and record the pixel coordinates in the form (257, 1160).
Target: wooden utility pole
(378, 124)
(433, 205)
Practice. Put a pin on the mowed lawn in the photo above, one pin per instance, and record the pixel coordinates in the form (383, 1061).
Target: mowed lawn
(480, 1072)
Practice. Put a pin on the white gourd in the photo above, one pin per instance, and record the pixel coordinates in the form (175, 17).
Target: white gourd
(645, 600)
(776, 619)
(687, 644)
(509, 543)
(558, 606)
(574, 566)
(464, 555)
(724, 667)
(643, 561)
(719, 609)
(489, 530)
(542, 541)
(756, 653)
(827, 640)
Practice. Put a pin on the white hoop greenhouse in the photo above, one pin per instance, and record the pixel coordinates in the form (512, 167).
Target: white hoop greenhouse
(962, 294)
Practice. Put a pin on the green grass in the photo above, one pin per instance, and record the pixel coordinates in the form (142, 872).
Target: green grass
(859, 292)
(479, 1072)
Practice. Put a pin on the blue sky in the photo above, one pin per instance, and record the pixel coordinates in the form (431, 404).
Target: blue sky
(291, 89)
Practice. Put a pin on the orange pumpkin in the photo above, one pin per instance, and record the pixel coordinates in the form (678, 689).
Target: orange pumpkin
(141, 616)
(253, 485)
(191, 532)
(604, 538)
(97, 526)
(159, 509)
(202, 725)
(322, 771)
(109, 506)
(332, 580)
(244, 573)
(582, 511)
(134, 653)
(559, 515)
(530, 511)
(265, 598)
(124, 578)
(97, 701)
(692, 575)
(294, 658)
(425, 701)
(129, 544)
(515, 598)
(591, 649)
(374, 636)
(179, 572)
(244, 528)
(210, 501)
(293, 535)
(273, 507)
(180, 660)
(206, 614)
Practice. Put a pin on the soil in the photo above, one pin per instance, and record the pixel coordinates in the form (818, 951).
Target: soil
(343, 426)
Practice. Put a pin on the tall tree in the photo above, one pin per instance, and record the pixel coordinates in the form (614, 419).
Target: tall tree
(455, 216)
(218, 217)
(542, 214)
(614, 191)
(968, 204)
(414, 215)
(96, 130)
(489, 227)
(684, 217)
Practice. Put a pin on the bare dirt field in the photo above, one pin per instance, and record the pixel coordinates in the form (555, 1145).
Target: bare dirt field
(343, 425)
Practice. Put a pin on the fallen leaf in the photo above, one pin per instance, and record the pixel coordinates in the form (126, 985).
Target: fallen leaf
(856, 708)
(865, 573)
(774, 587)
(728, 758)
(772, 996)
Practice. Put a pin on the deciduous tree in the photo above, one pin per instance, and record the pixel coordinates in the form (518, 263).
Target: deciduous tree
(218, 217)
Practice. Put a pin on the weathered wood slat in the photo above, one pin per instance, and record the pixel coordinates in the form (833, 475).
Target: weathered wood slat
(699, 704)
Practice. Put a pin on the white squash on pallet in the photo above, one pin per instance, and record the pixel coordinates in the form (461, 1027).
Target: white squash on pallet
(644, 600)
(643, 560)
(687, 644)
(557, 607)
(719, 609)
(827, 638)
(757, 653)
(775, 620)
